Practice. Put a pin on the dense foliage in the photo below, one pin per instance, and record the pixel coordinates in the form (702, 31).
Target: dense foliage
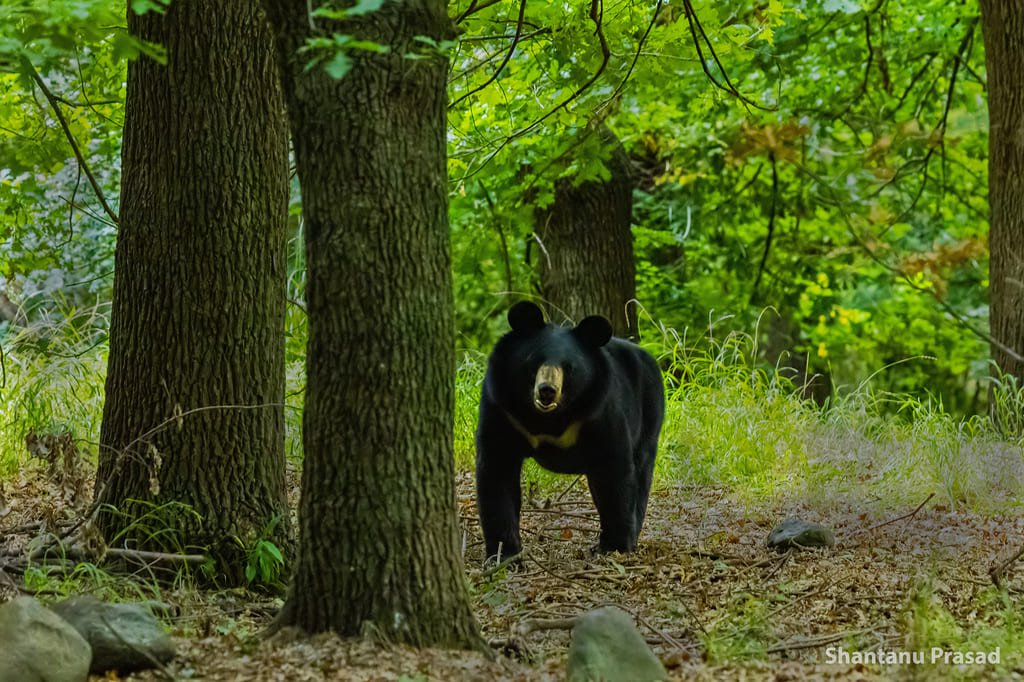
(834, 171)
(812, 173)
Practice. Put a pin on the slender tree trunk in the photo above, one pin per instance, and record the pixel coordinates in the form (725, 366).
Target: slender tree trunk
(1003, 27)
(780, 342)
(379, 546)
(586, 260)
(195, 383)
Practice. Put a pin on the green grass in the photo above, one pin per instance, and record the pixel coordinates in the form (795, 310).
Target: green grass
(53, 382)
(54, 376)
(732, 424)
(930, 624)
(729, 423)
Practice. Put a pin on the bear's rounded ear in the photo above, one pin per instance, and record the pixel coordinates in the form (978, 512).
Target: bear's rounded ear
(525, 317)
(594, 331)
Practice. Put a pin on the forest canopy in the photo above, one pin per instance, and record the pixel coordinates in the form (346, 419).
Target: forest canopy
(809, 173)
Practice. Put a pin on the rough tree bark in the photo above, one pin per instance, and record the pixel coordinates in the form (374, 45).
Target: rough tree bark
(1003, 27)
(199, 289)
(379, 546)
(586, 259)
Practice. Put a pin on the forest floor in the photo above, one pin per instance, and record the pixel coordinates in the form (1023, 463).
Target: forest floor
(713, 602)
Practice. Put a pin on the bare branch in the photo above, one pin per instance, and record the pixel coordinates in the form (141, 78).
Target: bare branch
(504, 36)
(914, 80)
(55, 105)
(996, 572)
(501, 236)
(504, 62)
(813, 642)
(475, 7)
(897, 519)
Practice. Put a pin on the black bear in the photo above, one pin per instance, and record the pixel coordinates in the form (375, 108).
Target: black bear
(578, 401)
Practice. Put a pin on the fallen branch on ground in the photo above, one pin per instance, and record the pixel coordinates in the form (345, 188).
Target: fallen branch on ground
(813, 642)
(76, 553)
(897, 519)
(529, 625)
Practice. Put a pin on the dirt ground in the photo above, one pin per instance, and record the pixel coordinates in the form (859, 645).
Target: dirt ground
(713, 602)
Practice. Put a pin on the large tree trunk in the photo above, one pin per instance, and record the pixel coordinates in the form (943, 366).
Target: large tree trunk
(586, 261)
(379, 546)
(195, 383)
(1003, 26)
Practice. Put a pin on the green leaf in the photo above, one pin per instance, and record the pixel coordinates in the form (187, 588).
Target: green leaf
(338, 65)
(273, 551)
(368, 45)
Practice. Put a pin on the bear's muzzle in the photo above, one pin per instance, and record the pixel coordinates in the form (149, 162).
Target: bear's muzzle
(547, 388)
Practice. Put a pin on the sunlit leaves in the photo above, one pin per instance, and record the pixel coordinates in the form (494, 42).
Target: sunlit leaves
(48, 31)
(51, 227)
(874, 192)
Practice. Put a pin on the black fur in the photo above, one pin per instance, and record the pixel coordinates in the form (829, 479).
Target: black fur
(612, 387)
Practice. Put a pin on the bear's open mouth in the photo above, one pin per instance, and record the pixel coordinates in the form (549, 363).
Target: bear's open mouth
(545, 408)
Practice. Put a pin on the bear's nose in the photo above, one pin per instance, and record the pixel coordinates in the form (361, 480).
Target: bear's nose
(546, 393)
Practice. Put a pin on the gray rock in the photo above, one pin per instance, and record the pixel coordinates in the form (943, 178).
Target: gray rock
(123, 637)
(39, 646)
(607, 647)
(798, 533)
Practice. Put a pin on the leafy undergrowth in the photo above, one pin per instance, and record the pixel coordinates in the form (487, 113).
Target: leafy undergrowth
(711, 599)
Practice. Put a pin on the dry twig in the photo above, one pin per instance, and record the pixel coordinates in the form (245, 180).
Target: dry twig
(813, 642)
(895, 520)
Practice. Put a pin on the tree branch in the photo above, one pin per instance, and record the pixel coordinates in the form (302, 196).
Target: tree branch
(55, 105)
(914, 79)
(737, 193)
(695, 27)
(538, 31)
(504, 62)
(475, 7)
(597, 16)
(957, 317)
(636, 58)
(501, 236)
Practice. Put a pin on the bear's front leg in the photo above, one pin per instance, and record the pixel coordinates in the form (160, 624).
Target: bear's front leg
(498, 501)
(498, 497)
(615, 495)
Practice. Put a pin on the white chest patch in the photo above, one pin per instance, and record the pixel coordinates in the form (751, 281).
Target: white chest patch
(566, 440)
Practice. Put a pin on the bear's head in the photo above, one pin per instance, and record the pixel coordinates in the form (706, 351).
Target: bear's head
(545, 369)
